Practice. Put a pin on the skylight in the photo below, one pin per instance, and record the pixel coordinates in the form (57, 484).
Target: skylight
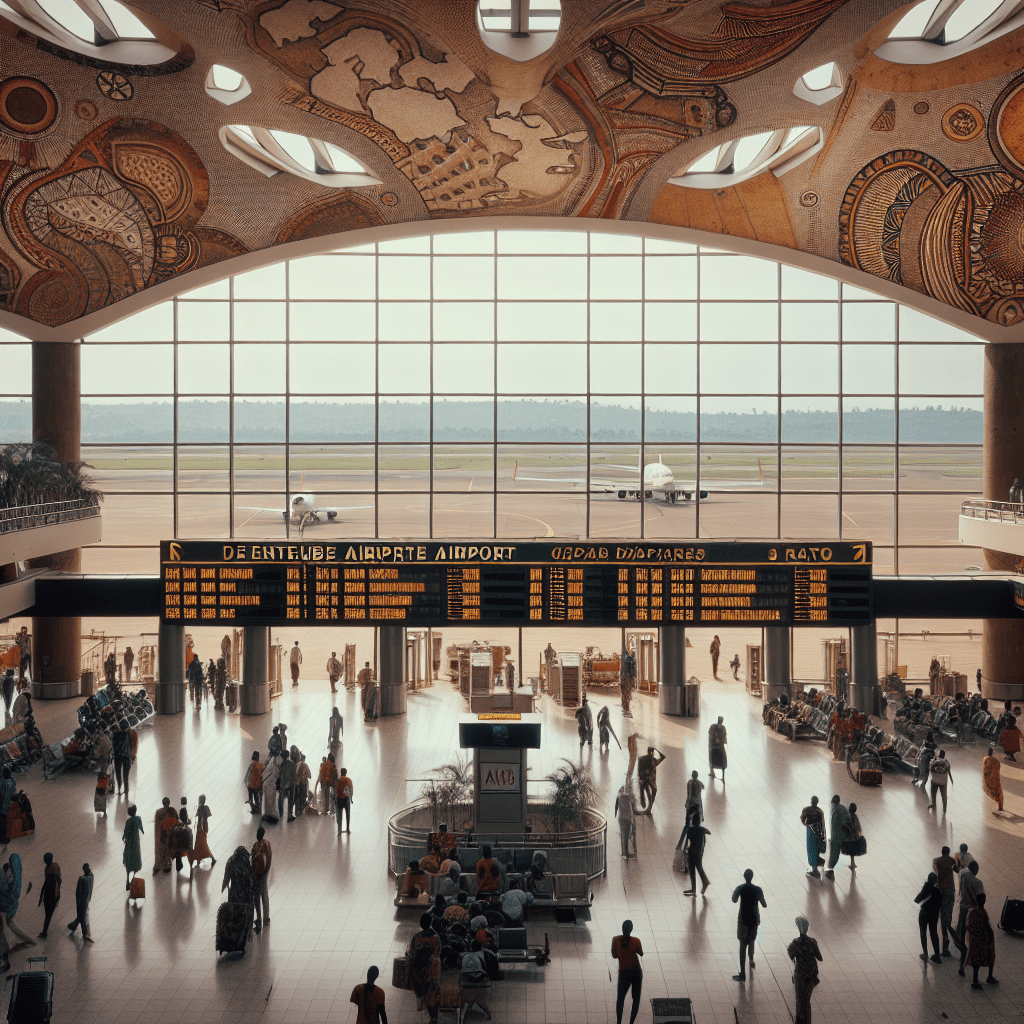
(937, 30)
(520, 29)
(821, 84)
(272, 152)
(732, 162)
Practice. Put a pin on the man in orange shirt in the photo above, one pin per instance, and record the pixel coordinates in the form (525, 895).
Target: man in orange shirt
(628, 950)
(343, 794)
(487, 881)
(369, 1000)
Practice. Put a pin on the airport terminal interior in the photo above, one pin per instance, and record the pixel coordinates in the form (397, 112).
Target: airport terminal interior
(533, 368)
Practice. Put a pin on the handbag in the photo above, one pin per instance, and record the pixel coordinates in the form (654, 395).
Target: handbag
(679, 861)
(138, 889)
(401, 973)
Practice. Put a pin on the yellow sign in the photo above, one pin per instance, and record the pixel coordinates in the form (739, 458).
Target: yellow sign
(497, 716)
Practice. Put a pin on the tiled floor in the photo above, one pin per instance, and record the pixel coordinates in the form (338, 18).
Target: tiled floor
(331, 899)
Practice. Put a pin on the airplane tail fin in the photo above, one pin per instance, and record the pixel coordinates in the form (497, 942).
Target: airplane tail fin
(760, 470)
(515, 471)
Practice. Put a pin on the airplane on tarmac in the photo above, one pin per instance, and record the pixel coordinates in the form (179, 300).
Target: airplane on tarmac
(656, 477)
(303, 510)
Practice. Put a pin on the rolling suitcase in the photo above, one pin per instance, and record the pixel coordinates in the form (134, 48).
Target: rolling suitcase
(1012, 917)
(234, 922)
(138, 889)
(31, 995)
(99, 801)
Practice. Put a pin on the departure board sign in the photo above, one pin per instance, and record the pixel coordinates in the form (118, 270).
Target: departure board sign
(533, 583)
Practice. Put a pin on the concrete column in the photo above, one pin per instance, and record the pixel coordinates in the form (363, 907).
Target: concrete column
(254, 696)
(1002, 641)
(778, 676)
(170, 689)
(671, 690)
(57, 420)
(865, 692)
(393, 691)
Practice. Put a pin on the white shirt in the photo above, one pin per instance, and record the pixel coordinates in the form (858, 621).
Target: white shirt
(295, 656)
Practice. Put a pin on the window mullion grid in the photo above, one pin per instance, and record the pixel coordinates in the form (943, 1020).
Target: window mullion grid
(494, 405)
(231, 417)
(174, 427)
(896, 452)
(643, 379)
(696, 477)
(587, 364)
(778, 415)
(287, 384)
(376, 391)
(430, 408)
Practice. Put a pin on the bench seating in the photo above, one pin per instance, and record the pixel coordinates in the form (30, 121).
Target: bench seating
(553, 891)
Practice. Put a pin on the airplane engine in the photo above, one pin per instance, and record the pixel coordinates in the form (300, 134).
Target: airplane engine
(703, 494)
(621, 494)
(331, 516)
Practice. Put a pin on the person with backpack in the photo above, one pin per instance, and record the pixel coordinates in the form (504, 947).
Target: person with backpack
(262, 855)
(254, 782)
(941, 774)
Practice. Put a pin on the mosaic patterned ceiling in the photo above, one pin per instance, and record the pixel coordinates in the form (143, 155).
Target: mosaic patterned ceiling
(121, 171)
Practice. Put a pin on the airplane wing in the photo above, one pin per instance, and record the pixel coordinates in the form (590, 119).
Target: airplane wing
(714, 487)
(339, 508)
(598, 485)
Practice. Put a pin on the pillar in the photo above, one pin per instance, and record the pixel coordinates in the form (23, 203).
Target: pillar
(672, 652)
(57, 420)
(254, 695)
(392, 677)
(778, 675)
(170, 687)
(1002, 640)
(865, 691)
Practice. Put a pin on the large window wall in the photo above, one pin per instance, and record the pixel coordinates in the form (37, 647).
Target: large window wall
(498, 383)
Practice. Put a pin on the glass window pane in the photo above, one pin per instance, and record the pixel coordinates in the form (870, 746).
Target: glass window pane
(616, 321)
(332, 367)
(332, 277)
(463, 277)
(808, 516)
(332, 321)
(915, 326)
(214, 290)
(802, 284)
(670, 419)
(810, 321)
(262, 515)
(616, 277)
(739, 321)
(466, 467)
(131, 419)
(670, 321)
(563, 515)
(400, 515)
(542, 241)
(556, 467)
(261, 468)
(15, 421)
(868, 517)
(153, 324)
(17, 363)
(403, 467)
(670, 368)
(458, 242)
(869, 420)
(940, 468)
(551, 369)
(204, 321)
(416, 243)
(615, 421)
(203, 468)
(736, 469)
(337, 469)
(139, 561)
(739, 369)
(331, 419)
(615, 369)
(121, 519)
(868, 468)
(129, 469)
(404, 420)
(810, 369)
(938, 562)
(457, 419)
(259, 369)
(670, 277)
(810, 419)
(204, 369)
(259, 421)
(542, 277)
(127, 369)
(531, 321)
(456, 515)
(204, 515)
(738, 419)
(869, 321)
(204, 419)
(606, 241)
(669, 246)
(404, 368)
(542, 419)
(404, 277)
(752, 515)
(959, 422)
(869, 369)
(930, 518)
(260, 321)
(265, 283)
(464, 369)
(740, 277)
(810, 468)
(403, 321)
(463, 321)
(615, 517)
(941, 369)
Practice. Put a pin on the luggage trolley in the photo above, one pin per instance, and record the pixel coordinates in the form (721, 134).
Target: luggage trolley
(31, 995)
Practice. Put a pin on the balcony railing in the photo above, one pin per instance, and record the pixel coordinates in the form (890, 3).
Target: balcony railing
(30, 517)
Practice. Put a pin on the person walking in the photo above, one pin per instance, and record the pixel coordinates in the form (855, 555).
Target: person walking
(748, 919)
(10, 898)
(302, 777)
(262, 855)
(946, 870)
(425, 970)
(981, 942)
(694, 807)
(717, 739)
(806, 956)
(132, 857)
(194, 675)
(335, 731)
(971, 886)
(369, 1000)
(854, 844)
(716, 650)
(625, 812)
(343, 795)
(8, 687)
(941, 774)
(83, 896)
(605, 730)
(49, 892)
(201, 849)
(286, 782)
(991, 778)
(813, 819)
(254, 782)
(692, 841)
(627, 949)
(924, 758)
(122, 746)
(838, 820)
(295, 662)
(162, 826)
(270, 777)
(930, 901)
(333, 671)
(327, 782)
(585, 724)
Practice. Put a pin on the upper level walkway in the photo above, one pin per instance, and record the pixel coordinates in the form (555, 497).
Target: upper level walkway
(990, 524)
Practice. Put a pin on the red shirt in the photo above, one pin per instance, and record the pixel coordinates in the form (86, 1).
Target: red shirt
(627, 952)
(486, 882)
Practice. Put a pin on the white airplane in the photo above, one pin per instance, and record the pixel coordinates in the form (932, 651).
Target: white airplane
(656, 476)
(303, 510)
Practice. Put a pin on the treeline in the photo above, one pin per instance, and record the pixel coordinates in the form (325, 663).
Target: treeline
(545, 420)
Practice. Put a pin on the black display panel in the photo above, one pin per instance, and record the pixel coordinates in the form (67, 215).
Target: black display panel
(536, 583)
(500, 734)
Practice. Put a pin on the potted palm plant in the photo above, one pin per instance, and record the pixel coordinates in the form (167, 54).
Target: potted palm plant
(572, 795)
(452, 787)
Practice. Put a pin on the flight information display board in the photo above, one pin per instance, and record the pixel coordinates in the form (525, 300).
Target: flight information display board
(533, 583)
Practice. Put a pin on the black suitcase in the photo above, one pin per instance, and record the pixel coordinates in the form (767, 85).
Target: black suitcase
(31, 995)
(1012, 917)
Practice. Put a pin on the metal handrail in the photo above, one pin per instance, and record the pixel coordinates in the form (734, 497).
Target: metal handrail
(29, 517)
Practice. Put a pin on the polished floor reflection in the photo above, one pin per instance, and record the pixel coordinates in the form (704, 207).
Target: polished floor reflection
(331, 907)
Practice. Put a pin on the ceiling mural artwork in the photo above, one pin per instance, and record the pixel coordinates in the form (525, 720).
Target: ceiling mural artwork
(115, 178)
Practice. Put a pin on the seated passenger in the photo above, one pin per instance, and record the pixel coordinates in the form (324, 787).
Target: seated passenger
(443, 840)
(488, 880)
(414, 881)
(431, 864)
(450, 886)
(512, 904)
(457, 912)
